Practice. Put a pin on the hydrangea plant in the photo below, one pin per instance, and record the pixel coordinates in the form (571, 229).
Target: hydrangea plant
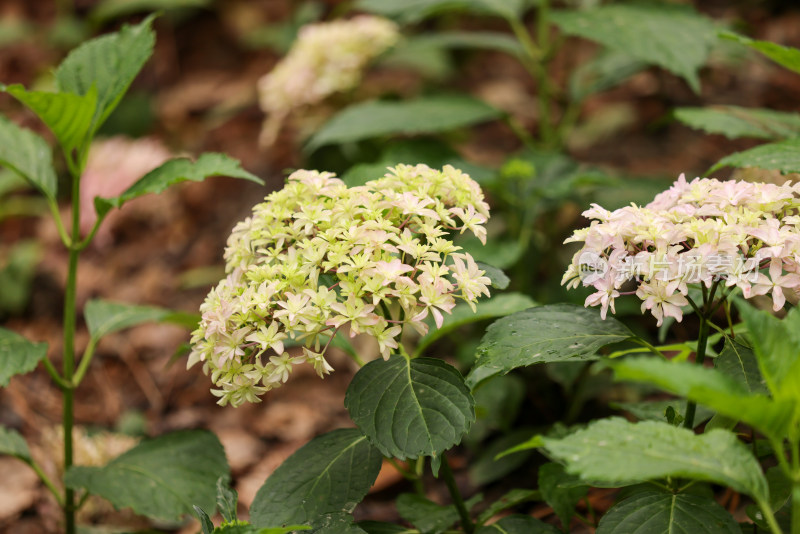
(318, 257)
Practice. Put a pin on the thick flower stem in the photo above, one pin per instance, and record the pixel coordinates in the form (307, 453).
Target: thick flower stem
(702, 342)
(458, 500)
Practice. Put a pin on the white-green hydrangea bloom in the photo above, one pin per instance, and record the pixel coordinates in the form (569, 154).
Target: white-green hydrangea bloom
(318, 257)
(327, 58)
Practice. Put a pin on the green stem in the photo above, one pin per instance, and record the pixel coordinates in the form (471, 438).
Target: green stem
(69, 352)
(769, 517)
(419, 487)
(51, 370)
(83, 366)
(62, 232)
(458, 500)
(796, 508)
(46, 480)
(702, 342)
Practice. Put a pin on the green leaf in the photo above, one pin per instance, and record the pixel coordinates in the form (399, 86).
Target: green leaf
(783, 156)
(108, 63)
(738, 361)
(13, 444)
(487, 467)
(426, 515)
(160, 478)
(379, 527)
(69, 116)
(497, 403)
(561, 491)
(734, 122)
(498, 278)
(336, 523)
(112, 9)
(711, 388)
(381, 118)
(783, 55)
(509, 500)
(410, 408)
(227, 500)
(481, 40)
(672, 37)
(518, 524)
(18, 355)
(615, 450)
(412, 11)
(607, 70)
(553, 333)
(104, 317)
(175, 171)
(462, 314)
(330, 474)
(662, 512)
(205, 521)
(657, 410)
(28, 155)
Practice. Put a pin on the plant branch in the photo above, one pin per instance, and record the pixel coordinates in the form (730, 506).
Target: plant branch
(458, 500)
(46, 480)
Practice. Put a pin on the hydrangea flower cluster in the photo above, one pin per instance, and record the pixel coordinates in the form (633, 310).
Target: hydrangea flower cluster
(327, 58)
(700, 232)
(318, 257)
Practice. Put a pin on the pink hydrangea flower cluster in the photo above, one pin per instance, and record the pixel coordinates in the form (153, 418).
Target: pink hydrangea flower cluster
(701, 232)
(327, 58)
(318, 257)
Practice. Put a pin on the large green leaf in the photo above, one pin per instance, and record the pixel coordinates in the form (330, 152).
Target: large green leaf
(462, 314)
(662, 512)
(335, 523)
(607, 70)
(175, 171)
(615, 450)
(410, 408)
(481, 40)
(783, 55)
(28, 155)
(13, 444)
(426, 515)
(111, 9)
(776, 343)
(424, 115)
(560, 490)
(69, 116)
(553, 333)
(104, 317)
(738, 361)
(734, 122)
(671, 37)
(518, 524)
(711, 388)
(330, 474)
(18, 355)
(109, 64)
(783, 156)
(658, 410)
(411, 11)
(160, 478)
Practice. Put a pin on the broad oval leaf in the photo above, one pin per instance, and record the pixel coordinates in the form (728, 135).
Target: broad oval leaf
(410, 408)
(518, 524)
(739, 362)
(553, 333)
(69, 116)
(674, 38)
(175, 171)
(662, 512)
(462, 314)
(615, 450)
(13, 444)
(561, 491)
(783, 55)
(380, 118)
(426, 515)
(734, 121)
(607, 70)
(104, 317)
(711, 388)
(108, 63)
(328, 475)
(18, 355)
(162, 478)
(28, 155)
(783, 156)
